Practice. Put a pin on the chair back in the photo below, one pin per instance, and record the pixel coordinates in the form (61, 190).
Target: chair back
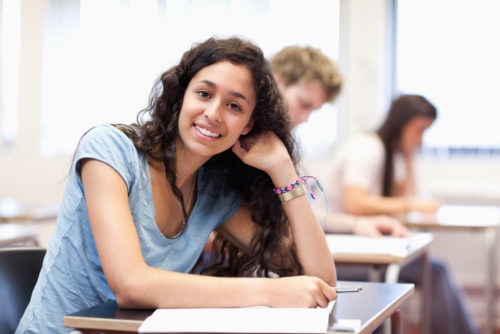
(19, 270)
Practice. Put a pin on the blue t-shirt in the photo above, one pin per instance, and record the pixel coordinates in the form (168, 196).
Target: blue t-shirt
(72, 277)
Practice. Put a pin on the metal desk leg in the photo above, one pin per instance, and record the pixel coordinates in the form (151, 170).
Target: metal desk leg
(391, 276)
(397, 322)
(425, 311)
(392, 273)
(491, 236)
(375, 273)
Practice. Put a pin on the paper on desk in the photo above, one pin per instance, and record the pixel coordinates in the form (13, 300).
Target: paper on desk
(347, 243)
(466, 215)
(238, 320)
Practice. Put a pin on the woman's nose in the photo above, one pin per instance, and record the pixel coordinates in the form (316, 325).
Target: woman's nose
(213, 112)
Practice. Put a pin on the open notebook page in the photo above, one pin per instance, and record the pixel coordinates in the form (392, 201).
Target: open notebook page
(259, 319)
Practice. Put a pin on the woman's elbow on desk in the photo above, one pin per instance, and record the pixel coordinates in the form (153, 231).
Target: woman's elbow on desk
(135, 288)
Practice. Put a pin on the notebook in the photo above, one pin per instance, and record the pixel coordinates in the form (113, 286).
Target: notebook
(259, 319)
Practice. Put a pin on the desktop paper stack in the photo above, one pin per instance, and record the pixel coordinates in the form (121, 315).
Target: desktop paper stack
(238, 320)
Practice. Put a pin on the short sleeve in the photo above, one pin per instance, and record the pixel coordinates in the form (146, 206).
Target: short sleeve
(363, 162)
(111, 146)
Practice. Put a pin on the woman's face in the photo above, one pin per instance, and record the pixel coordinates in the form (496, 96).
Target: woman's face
(411, 135)
(302, 99)
(216, 108)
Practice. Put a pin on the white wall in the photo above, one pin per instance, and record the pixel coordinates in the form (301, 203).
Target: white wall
(25, 174)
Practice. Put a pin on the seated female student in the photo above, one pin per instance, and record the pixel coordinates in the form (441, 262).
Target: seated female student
(141, 201)
(373, 173)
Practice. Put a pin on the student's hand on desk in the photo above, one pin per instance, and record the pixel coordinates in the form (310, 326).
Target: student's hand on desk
(376, 226)
(300, 291)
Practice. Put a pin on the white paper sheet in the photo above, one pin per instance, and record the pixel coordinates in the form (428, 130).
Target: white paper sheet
(347, 243)
(238, 320)
(466, 215)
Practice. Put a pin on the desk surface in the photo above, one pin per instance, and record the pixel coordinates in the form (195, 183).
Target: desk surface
(13, 210)
(378, 300)
(11, 234)
(455, 217)
(355, 249)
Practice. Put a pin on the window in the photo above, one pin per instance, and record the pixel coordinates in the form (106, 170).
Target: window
(448, 51)
(102, 57)
(10, 12)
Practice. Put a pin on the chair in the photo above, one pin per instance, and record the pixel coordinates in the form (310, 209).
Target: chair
(19, 270)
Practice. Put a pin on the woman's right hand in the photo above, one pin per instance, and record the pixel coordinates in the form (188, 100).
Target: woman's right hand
(300, 291)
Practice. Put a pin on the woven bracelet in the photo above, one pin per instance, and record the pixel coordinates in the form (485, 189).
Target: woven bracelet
(297, 189)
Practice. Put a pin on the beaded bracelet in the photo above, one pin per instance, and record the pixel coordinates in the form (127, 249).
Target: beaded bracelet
(300, 180)
(296, 189)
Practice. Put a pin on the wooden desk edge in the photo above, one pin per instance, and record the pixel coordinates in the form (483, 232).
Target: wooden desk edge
(123, 325)
(103, 323)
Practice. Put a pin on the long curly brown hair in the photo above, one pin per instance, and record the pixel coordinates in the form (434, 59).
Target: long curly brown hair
(271, 249)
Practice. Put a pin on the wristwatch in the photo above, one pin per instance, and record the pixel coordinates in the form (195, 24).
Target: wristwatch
(295, 192)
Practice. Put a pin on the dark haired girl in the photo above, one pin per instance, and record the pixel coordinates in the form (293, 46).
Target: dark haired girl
(141, 201)
(366, 181)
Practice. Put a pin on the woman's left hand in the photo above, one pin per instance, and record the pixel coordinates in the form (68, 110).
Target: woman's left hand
(264, 151)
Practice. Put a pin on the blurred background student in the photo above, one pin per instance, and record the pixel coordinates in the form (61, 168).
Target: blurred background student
(373, 173)
(308, 79)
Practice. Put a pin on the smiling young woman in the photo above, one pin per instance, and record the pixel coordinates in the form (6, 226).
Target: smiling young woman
(216, 109)
(142, 199)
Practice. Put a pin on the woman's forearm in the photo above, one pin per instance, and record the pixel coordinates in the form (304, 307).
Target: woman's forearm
(357, 201)
(307, 233)
(157, 288)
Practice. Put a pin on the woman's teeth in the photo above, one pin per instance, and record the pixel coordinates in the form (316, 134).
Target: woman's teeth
(207, 132)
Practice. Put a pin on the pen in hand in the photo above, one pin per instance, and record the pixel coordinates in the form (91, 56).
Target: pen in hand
(343, 289)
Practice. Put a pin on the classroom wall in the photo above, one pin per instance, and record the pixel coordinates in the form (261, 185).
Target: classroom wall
(25, 174)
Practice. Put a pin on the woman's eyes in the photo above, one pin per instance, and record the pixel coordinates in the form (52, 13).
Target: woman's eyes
(204, 94)
(234, 107)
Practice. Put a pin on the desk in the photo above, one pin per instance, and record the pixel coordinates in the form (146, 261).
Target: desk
(11, 234)
(13, 210)
(484, 219)
(385, 253)
(379, 301)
